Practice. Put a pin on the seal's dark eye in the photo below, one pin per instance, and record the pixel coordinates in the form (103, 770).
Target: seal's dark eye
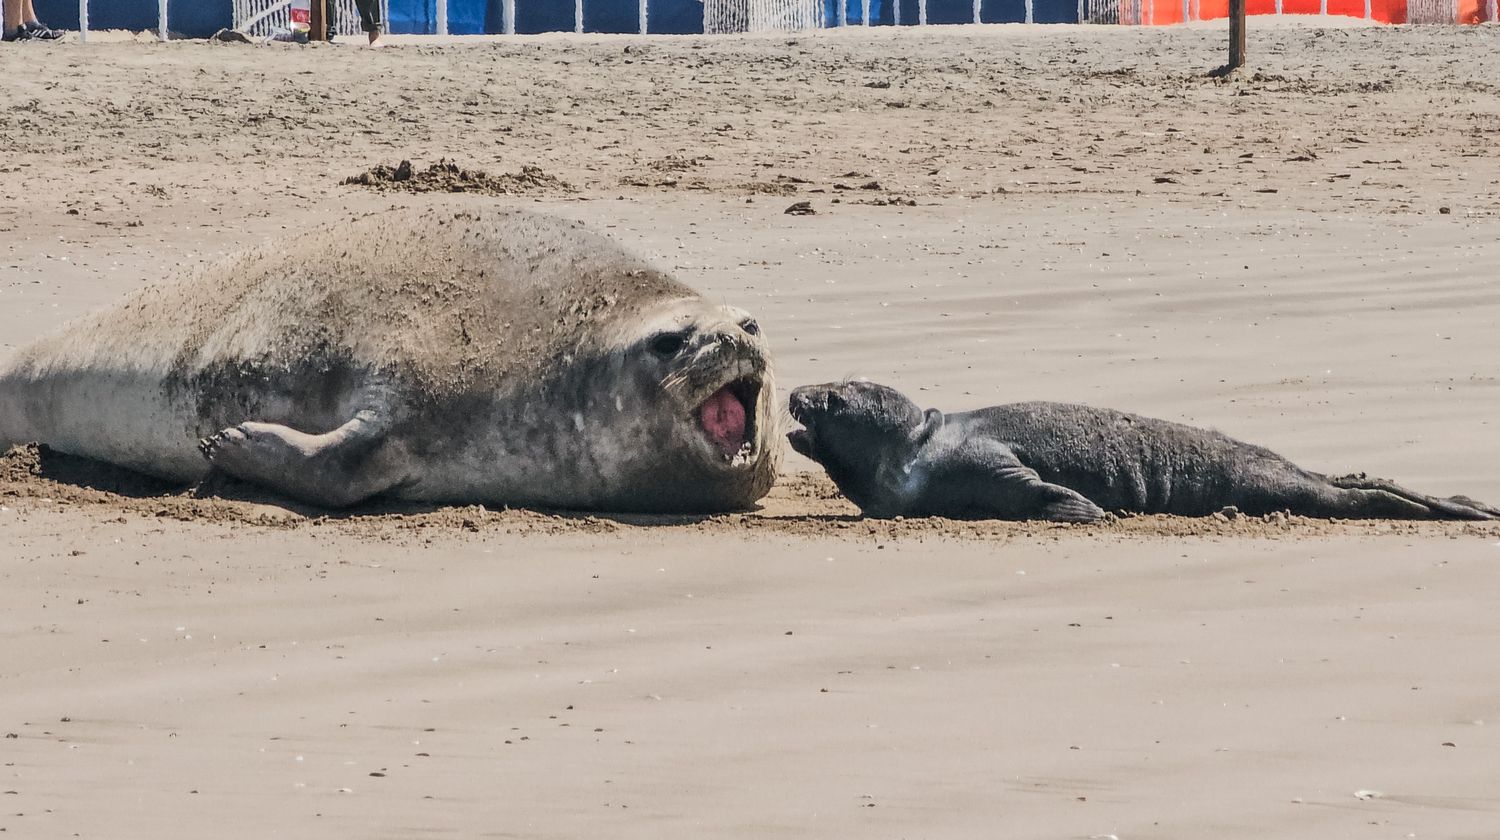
(750, 327)
(667, 344)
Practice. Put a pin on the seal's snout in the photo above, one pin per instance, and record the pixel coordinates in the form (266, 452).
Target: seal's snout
(800, 403)
(803, 405)
(810, 401)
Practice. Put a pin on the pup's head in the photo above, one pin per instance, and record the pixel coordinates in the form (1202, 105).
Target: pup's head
(859, 432)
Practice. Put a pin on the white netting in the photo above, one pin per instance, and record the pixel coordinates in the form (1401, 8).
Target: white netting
(1112, 11)
(262, 17)
(1432, 11)
(721, 16)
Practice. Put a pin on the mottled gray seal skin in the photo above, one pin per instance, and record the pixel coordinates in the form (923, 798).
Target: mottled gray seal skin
(1068, 463)
(449, 354)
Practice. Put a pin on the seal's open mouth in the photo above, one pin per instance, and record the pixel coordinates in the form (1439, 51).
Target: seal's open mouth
(727, 419)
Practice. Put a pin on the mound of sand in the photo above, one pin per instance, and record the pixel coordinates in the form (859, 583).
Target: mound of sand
(448, 177)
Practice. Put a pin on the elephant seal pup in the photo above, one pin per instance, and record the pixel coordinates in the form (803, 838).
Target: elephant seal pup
(450, 354)
(1069, 463)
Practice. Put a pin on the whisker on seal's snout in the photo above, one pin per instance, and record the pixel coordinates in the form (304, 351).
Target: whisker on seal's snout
(674, 380)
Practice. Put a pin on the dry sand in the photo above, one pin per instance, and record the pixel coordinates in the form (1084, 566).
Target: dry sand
(1302, 256)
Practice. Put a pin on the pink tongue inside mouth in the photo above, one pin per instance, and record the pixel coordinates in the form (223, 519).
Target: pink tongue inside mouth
(723, 418)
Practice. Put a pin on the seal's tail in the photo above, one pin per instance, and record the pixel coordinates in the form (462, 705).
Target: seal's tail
(1453, 507)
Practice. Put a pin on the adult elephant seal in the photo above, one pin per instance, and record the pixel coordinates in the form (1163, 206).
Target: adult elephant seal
(442, 355)
(1069, 463)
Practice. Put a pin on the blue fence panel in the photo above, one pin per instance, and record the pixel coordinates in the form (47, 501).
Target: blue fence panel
(949, 11)
(854, 11)
(1002, 11)
(193, 19)
(419, 17)
(200, 18)
(1055, 11)
(467, 17)
(611, 16)
(533, 17)
(675, 17)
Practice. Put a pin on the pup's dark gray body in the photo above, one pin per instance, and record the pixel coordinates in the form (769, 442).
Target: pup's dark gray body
(1044, 460)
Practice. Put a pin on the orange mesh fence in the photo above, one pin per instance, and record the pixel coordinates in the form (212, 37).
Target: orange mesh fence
(1162, 12)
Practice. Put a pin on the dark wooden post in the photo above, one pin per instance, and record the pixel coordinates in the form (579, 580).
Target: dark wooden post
(1236, 35)
(317, 22)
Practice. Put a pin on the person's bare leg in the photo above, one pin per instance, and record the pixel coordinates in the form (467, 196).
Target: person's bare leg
(12, 15)
(28, 12)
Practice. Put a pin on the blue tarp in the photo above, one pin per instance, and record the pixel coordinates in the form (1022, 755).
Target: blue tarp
(199, 18)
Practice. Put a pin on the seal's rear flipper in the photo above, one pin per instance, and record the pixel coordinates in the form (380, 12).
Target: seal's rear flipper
(1475, 504)
(1455, 507)
(336, 469)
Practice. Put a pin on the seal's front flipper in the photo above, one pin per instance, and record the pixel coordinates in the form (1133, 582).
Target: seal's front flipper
(1017, 492)
(335, 469)
(1454, 507)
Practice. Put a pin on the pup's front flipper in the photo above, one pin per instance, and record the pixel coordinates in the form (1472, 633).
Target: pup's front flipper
(985, 477)
(333, 470)
(1019, 493)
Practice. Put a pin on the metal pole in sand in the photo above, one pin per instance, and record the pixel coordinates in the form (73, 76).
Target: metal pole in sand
(921, 12)
(508, 16)
(864, 12)
(1236, 35)
(161, 19)
(83, 21)
(644, 17)
(442, 17)
(577, 15)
